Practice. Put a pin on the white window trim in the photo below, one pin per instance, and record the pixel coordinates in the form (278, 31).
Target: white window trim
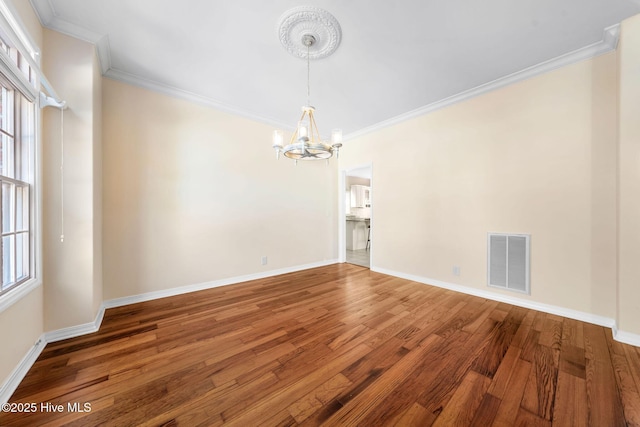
(19, 37)
(14, 29)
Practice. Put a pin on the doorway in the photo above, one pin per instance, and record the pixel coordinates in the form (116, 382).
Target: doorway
(356, 207)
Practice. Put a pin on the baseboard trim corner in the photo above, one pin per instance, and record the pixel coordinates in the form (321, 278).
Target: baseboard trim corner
(76, 331)
(626, 337)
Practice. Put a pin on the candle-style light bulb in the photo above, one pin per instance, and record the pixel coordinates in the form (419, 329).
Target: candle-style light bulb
(303, 131)
(278, 138)
(336, 136)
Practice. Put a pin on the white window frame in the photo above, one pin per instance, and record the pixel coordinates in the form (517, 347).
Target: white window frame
(13, 34)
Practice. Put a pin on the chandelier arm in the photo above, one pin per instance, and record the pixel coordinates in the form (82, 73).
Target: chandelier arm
(314, 129)
(305, 153)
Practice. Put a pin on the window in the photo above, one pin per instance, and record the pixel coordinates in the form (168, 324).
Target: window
(17, 167)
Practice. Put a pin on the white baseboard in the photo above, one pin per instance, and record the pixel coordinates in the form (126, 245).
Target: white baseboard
(14, 380)
(18, 374)
(88, 328)
(546, 308)
(118, 302)
(76, 331)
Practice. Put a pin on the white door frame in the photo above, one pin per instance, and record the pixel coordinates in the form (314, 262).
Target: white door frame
(342, 210)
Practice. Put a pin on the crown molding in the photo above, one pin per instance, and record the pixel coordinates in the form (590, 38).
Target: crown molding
(608, 43)
(103, 50)
(43, 10)
(189, 96)
(46, 14)
(48, 18)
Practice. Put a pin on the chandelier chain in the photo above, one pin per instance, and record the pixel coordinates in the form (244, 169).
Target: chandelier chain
(308, 77)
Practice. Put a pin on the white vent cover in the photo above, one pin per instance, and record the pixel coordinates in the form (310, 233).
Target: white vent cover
(508, 261)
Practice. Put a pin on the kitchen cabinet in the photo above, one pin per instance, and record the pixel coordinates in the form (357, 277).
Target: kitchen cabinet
(360, 196)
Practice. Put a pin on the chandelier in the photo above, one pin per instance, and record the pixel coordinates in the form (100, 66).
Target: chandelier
(316, 28)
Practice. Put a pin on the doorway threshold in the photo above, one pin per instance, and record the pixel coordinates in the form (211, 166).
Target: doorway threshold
(359, 257)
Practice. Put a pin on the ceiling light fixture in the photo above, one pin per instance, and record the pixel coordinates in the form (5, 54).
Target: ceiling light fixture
(317, 29)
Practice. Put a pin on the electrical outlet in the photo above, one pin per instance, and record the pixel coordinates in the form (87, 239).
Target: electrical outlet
(456, 270)
(264, 260)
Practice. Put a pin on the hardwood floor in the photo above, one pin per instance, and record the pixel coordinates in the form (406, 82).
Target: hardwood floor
(338, 346)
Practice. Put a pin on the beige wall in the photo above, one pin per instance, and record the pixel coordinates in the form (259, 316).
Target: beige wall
(192, 194)
(25, 327)
(628, 316)
(536, 157)
(72, 269)
(22, 323)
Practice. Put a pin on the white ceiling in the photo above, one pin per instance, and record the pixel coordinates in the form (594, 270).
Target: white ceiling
(396, 57)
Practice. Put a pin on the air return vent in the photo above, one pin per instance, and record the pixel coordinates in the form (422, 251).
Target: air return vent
(508, 261)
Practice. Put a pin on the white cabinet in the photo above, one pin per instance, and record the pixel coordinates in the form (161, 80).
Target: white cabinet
(360, 196)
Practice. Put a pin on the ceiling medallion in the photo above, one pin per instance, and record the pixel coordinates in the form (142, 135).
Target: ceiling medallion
(308, 20)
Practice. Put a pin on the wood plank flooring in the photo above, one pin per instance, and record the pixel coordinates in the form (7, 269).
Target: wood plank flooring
(335, 346)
